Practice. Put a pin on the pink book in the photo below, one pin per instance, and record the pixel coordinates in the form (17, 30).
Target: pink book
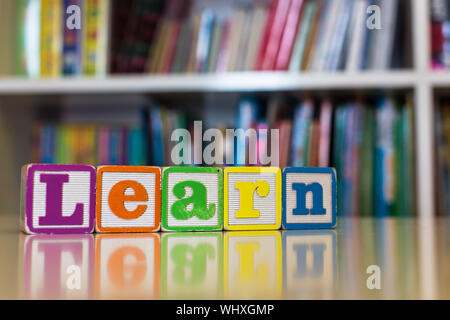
(103, 146)
(273, 41)
(288, 38)
(222, 60)
(324, 136)
(262, 141)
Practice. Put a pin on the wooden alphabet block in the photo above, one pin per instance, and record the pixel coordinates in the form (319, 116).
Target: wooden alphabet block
(192, 199)
(252, 265)
(309, 198)
(192, 265)
(309, 263)
(252, 198)
(128, 199)
(127, 266)
(57, 198)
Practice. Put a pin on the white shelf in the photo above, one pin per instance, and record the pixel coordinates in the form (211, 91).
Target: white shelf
(226, 82)
(440, 79)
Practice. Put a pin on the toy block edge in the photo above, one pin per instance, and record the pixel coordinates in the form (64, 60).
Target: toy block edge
(120, 168)
(30, 169)
(164, 199)
(311, 226)
(256, 227)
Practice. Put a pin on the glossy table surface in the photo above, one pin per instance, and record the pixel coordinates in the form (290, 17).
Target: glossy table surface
(409, 257)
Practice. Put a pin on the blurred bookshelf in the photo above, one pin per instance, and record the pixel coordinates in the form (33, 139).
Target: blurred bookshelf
(198, 58)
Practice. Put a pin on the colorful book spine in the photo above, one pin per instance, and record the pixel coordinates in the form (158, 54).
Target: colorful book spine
(384, 155)
(248, 111)
(302, 36)
(95, 37)
(302, 121)
(72, 44)
(287, 40)
(51, 38)
(28, 45)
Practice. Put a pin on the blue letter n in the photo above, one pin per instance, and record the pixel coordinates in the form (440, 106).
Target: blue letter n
(302, 189)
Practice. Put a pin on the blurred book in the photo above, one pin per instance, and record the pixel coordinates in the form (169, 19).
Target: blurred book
(158, 36)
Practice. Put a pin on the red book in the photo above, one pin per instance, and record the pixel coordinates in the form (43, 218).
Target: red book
(288, 38)
(276, 31)
(266, 34)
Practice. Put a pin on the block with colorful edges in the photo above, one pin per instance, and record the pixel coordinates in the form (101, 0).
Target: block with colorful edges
(57, 199)
(128, 199)
(252, 198)
(192, 199)
(309, 198)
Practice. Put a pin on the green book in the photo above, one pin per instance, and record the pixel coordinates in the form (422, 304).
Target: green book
(367, 151)
(399, 160)
(302, 37)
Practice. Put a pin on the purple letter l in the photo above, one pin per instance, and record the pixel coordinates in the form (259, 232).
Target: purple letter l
(53, 215)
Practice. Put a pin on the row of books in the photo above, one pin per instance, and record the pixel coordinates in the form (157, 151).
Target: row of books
(51, 38)
(89, 144)
(146, 141)
(156, 36)
(440, 34)
(442, 120)
(295, 35)
(369, 142)
(373, 153)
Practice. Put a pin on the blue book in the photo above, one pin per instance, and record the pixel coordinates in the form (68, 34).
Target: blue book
(48, 144)
(136, 146)
(157, 143)
(302, 120)
(113, 146)
(247, 114)
(384, 157)
(72, 43)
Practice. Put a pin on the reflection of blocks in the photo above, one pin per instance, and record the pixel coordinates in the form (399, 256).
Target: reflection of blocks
(252, 265)
(128, 199)
(192, 199)
(309, 198)
(58, 266)
(309, 263)
(252, 198)
(191, 265)
(57, 198)
(127, 266)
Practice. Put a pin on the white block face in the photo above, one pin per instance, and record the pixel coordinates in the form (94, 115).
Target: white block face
(58, 267)
(325, 180)
(266, 205)
(76, 190)
(210, 181)
(127, 266)
(192, 265)
(147, 219)
(310, 264)
(253, 265)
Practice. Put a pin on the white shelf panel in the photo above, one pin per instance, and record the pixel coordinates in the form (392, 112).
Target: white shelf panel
(226, 82)
(440, 79)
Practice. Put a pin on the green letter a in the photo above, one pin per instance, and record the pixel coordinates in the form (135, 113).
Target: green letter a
(198, 199)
